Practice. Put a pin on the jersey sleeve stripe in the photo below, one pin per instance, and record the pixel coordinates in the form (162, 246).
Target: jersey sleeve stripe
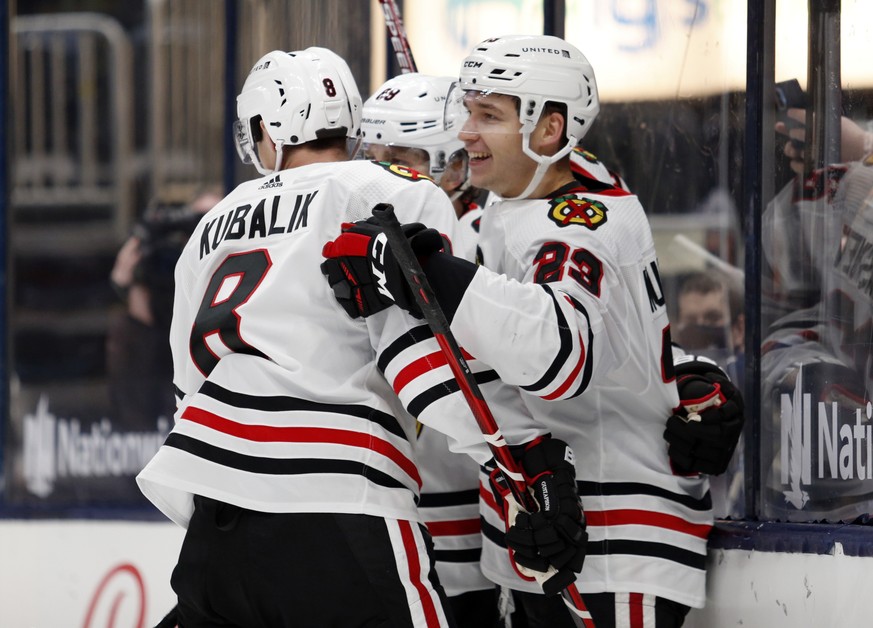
(560, 390)
(646, 518)
(294, 404)
(418, 367)
(421, 401)
(410, 338)
(280, 466)
(589, 363)
(564, 353)
(269, 433)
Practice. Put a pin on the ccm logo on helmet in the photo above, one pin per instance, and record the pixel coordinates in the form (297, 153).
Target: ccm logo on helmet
(472, 64)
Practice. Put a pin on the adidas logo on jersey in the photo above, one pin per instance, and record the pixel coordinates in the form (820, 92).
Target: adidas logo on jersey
(272, 183)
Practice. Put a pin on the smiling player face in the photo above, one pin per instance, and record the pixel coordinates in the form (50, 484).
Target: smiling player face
(492, 137)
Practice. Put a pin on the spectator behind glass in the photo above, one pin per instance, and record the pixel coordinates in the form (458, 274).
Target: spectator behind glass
(138, 356)
(817, 356)
(711, 322)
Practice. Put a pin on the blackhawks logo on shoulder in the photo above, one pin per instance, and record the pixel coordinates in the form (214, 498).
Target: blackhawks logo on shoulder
(570, 210)
(584, 154)
(404, 171)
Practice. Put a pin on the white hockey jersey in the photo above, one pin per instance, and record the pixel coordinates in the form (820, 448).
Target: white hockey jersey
(587, 167)
(285, 403)
(578, 321)
(450, 492)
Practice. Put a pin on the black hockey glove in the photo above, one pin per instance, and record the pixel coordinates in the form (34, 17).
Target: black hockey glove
(555, 535)
(704, 430)
(363, 273)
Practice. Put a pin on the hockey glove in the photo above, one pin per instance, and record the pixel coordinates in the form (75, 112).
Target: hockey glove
(704, 430)
(363, 273)
(555, 535)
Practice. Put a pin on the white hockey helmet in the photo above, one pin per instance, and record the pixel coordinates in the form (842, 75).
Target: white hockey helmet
(536, 69)
(300, 96)
(407, 111)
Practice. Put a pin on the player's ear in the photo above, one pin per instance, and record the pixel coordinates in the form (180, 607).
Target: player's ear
(551, 130)
(265, 134)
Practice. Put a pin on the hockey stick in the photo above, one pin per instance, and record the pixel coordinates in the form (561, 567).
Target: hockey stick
(436, 320)
(397, 35)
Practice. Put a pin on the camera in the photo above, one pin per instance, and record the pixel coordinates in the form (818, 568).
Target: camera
(789, 95)
(163, 232)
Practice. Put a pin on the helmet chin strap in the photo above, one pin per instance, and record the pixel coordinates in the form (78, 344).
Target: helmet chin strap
(543, 163)
(278, 165)
(456, 194)
(256, 159)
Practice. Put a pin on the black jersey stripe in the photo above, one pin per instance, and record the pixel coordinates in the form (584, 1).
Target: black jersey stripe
(473, 555)
(563, 353)
(679, 555)
(443, 389)
(410, 338)
(279, 403)
(453, 498)
(589, 357)
(280, 466)
(492, 533)
(620, 547)
(597, 489)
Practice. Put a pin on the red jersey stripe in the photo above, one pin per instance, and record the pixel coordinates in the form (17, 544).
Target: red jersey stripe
(417, 368)
(563, 387)
(272, 434)
(646, 518)
(454, 528)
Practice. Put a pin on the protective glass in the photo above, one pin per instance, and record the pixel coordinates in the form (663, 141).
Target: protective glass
(457, 170)
(455, 114)
(353, 148)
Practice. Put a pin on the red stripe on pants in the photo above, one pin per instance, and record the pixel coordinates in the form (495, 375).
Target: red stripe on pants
(635, 608)
(430, 612)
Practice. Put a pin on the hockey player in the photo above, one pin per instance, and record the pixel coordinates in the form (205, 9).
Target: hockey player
(291, 461)
(402, 123)
(570, 310)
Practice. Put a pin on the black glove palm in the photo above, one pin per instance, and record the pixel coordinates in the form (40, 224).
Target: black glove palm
(703, 432)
